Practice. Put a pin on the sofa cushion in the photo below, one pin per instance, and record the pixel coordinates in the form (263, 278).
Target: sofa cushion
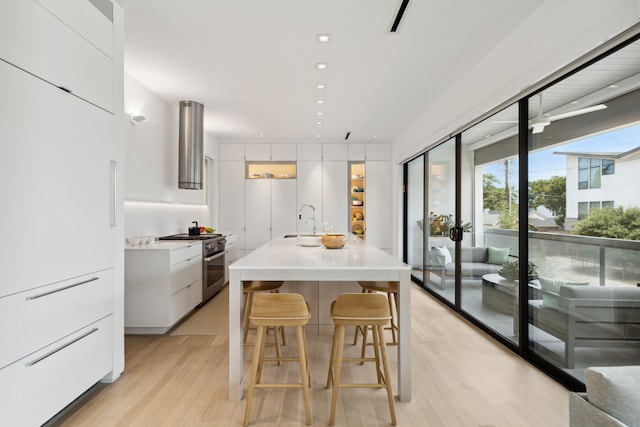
(554, 285)
(443, 252)
(497, 255)
(614, 390)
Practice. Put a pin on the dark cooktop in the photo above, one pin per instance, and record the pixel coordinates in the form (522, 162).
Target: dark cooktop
(204, 236)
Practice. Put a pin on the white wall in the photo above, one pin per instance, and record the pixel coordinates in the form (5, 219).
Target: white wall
(154, 205)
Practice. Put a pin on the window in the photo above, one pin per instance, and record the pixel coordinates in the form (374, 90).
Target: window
(608, 167)
(585, 207)
(590, 170)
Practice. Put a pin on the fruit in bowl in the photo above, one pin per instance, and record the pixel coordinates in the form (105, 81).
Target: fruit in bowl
(334, 241)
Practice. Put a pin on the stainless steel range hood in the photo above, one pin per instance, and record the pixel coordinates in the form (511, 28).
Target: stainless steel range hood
(190, 150)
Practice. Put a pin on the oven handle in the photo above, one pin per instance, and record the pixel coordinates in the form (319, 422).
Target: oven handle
(218, 255)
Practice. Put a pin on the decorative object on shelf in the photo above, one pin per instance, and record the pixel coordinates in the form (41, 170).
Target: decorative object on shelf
(357, 189)
(357, 176)
(355, 201)
(357, 216)
(357, 229)
(268, 175)
(510, 270)
(334, 241)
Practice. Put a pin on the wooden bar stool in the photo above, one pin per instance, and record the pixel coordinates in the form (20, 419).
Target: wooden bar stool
(391, 289)
(278, 310)
(367, 310)
(248, 290)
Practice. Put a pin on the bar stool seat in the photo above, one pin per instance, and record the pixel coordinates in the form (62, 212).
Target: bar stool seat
(391, 289)
(278, 310)
(368, 310)
(248, 290)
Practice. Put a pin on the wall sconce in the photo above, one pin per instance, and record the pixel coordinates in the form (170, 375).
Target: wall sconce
(136, 118)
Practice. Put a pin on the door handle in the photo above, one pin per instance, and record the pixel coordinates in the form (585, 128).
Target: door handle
(455, 234)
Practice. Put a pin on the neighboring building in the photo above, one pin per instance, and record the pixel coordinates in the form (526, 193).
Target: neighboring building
(598, 180)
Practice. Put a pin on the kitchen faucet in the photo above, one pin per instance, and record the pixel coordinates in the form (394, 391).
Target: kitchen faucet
(314, 216)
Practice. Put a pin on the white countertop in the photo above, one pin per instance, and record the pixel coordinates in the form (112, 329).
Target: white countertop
(284, 253)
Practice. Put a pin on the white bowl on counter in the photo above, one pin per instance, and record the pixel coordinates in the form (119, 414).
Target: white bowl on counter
(309, 240)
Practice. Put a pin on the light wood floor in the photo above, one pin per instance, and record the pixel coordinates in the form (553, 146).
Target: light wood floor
(461, 377)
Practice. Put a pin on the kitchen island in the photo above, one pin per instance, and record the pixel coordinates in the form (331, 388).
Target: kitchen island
(283, 259)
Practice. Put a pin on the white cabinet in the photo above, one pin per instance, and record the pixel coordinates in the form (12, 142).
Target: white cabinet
(257, 151)
(335, 193)
(309, 151)
(60, 316)
(283, 152)
(57, 176)
(309, 192)
(270, 210)
(62, 53)
(356, 151)
(378, 203)
(35, 388)
(163, 283)
(231, 151)
(232, 182)
(378, 151)
(334, 151)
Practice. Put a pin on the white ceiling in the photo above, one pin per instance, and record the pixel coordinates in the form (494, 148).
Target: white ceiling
(251, 62)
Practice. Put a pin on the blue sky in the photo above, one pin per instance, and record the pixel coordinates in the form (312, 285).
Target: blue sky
(544, 164)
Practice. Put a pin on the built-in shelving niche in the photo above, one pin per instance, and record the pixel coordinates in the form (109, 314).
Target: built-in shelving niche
(270, 170)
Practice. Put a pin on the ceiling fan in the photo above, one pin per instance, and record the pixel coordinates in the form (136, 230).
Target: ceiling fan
(544, 119)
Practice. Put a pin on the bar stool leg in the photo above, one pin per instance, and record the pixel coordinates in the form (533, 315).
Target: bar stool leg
(387, 376)
(339, 332)
(332, 360)
(255, 364)
(304, 376)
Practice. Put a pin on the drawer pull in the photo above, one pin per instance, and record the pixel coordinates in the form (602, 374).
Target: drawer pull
(44, 294)
(62, 347)
(64, 89)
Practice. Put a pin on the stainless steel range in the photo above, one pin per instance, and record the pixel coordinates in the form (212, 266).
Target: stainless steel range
(213, 261)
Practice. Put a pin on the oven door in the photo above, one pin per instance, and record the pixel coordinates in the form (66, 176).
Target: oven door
(213, 275)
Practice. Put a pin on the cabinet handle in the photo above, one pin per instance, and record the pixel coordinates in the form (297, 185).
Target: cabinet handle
(44, 294)
(64, 89)
(62, 347)
(114, 192)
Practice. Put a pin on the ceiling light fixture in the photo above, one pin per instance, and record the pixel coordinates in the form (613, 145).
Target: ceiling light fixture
(375, 135)
(323, 38)
(320, 101)
(319, 113)
(318, 123)
(320, 86)
(321, 66)
(261, 135)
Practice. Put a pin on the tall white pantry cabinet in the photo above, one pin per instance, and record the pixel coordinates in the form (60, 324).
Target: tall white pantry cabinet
(61, 306)
(260, 209)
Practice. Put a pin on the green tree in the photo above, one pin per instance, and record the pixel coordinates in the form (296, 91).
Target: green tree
(508, 218)
(552, 194)
(493, 197)
(616, 223)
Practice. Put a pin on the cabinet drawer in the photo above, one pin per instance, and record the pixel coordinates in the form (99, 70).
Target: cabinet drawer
(185, 272)
(33, 389)
(37, 41)
(187, 252)
(32, 320)
(183, 301)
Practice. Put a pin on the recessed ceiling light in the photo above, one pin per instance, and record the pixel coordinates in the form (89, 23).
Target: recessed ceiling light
(321, 66)
(319, 113)
(318, 123)
(375, 135)
(317, 136)
(323, 38)
(261, 135)
(320, 101)
(320, 86)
